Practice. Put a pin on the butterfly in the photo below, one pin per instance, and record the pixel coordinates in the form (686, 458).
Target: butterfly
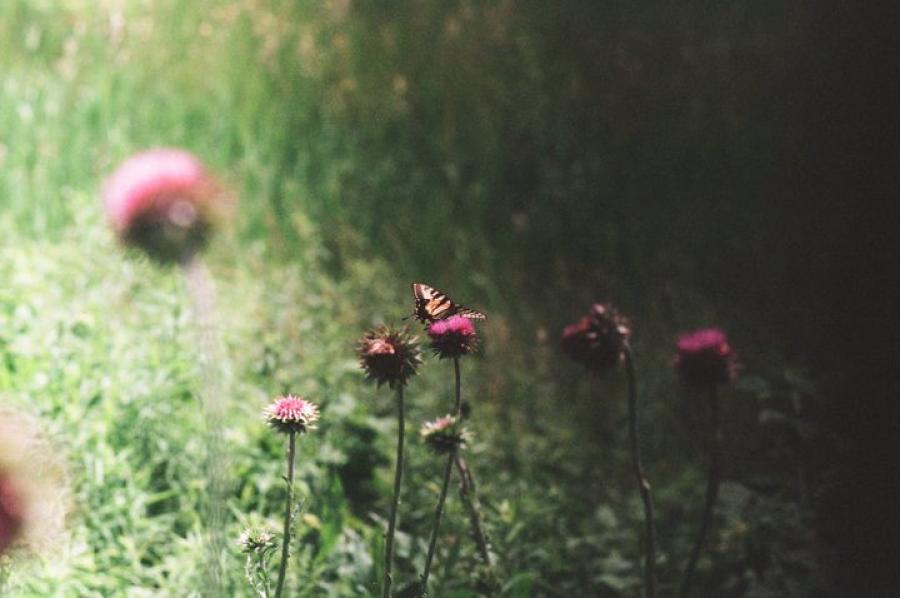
(432, 305)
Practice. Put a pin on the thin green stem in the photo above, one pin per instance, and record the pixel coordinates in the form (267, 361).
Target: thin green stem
(288, 509)
(714, 447)
(437, 520)
(398, 480)
(458, 404)
(264, 574)
(470, 500)
(448, 469)
(643, 483)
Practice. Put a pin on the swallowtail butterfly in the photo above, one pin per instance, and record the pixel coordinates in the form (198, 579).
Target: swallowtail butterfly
(432, 305)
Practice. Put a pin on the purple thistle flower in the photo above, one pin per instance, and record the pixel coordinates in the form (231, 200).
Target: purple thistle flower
(453, 337)
(704, 357)
(164, 202)
(292, 414)
(597, 341)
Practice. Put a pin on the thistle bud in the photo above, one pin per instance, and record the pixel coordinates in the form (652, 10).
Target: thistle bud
(257, 541)
(443, 435)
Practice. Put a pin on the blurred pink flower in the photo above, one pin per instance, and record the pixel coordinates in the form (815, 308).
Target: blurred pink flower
(453, 337)
(292, 414)
(162, 201)
(12, 515)
(34, 489)
(704, 357)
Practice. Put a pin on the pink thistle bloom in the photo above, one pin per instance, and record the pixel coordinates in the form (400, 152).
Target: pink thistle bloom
(444, 434)
(292, 414)
(12, 515)
(453, 337)
(163, 202)
(597, 340)
(704, 357)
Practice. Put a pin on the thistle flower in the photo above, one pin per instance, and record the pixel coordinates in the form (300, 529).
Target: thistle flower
(389, 356)
(444, 434)
(164, 202)
(258, 544)
(597, 340)
(453, 337)
(12, 514)
(704, 357)
(292, 414)
(257, 541)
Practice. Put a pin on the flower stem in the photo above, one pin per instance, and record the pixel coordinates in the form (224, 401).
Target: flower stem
(264, 574)
(201, 292)
(643, 483)
(714, 447)
(288, 509)
(470, 500)
(437, 520)
(448, 469)
(457, 406)
(398, 480)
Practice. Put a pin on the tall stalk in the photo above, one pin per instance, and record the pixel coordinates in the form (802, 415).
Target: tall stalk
(288, 510)
(398, 480)
(448, 469)
(202, 295)
(643, 484)
(714, 448)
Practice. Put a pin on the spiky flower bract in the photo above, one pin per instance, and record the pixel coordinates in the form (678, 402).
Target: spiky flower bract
(704, 357)
(164, 202)
(444, 434)
(597, 341)
(453, 337)
(292, 414)
(255, 540)
(389, 356)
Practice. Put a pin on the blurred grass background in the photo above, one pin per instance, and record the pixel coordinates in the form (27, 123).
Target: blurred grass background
(697, 164)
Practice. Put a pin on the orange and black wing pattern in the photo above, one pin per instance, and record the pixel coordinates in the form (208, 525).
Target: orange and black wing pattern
(432, 305)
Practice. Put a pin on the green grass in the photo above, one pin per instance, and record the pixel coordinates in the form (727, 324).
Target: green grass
(349, 188)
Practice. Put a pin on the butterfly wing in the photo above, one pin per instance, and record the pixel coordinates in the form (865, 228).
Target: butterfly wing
(469, 313)
(432, 305)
